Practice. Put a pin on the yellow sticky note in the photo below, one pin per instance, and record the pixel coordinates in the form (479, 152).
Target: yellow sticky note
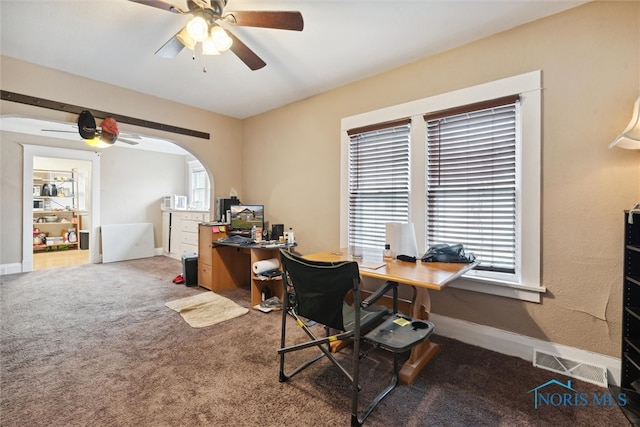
(401, 321)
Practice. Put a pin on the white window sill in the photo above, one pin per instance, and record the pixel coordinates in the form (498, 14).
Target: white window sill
(500, 288)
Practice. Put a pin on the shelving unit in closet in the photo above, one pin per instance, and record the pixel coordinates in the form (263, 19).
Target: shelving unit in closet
(56, 220)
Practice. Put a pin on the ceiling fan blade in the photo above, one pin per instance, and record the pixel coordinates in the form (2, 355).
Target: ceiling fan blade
(58, 130)
(245, 54)
(280, 20)
(126, 141)
(171, 48)
(159, 4)
(130, 135)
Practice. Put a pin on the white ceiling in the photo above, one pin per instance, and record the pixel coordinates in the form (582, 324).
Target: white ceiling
(114, 41)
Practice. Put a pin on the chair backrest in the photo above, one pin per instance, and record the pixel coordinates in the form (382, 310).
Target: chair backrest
(320, 287)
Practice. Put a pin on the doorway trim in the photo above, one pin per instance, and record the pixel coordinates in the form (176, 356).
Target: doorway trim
(31, 151)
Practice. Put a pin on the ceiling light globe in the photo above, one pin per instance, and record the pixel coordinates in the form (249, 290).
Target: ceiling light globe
(97, 142)
(221, 39)
(184, 38)
(209, 47)
(198, 29)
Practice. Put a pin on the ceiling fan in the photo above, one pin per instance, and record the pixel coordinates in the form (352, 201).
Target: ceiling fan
(101, 137)
(205, 28)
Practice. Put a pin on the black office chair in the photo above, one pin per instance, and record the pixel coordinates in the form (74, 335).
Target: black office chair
(314, 292)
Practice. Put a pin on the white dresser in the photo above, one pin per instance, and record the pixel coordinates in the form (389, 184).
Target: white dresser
(180, 232)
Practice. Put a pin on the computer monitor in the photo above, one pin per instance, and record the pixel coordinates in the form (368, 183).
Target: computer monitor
(244, 217)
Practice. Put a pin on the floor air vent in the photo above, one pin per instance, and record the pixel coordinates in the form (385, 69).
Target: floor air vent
(583, 371)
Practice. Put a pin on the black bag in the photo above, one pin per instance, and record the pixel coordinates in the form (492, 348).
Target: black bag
(447, 253)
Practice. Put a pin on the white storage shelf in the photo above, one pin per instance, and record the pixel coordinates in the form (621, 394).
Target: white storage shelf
(55, 209)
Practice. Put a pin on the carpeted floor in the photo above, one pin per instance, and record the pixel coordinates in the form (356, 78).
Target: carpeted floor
(94, 345)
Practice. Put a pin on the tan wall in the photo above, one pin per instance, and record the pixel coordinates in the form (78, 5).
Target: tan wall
(590, 59)
(121, 180)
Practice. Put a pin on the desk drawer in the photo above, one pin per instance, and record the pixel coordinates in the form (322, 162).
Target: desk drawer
(204, 275)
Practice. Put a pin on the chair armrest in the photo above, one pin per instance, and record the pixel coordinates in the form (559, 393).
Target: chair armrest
(379, 293)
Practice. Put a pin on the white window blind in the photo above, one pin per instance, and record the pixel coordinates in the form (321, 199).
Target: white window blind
(471, 181)
(378, 181)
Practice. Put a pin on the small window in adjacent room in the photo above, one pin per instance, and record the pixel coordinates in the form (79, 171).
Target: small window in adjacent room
(199, 187)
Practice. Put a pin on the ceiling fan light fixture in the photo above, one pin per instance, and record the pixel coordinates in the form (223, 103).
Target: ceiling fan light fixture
(209, 47)
(98, 142)
(198, 29)
(221, 38)
(184, 38)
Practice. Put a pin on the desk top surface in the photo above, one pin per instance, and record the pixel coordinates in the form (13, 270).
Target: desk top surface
(261, 245)
(430, 275)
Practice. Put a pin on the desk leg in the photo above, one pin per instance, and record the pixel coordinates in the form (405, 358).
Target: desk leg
(422, 353)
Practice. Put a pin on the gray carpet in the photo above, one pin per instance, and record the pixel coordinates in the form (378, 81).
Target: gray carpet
(94, 345)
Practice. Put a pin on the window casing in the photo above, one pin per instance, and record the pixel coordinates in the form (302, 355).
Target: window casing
(525, 282)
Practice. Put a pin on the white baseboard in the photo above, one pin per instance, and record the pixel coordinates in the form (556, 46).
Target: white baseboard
(521, 346)
(12, 268)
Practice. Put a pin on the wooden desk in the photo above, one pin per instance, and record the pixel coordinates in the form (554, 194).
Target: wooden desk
(422, 277)
(225, 266)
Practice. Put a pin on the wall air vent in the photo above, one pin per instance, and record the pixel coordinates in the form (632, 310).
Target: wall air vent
(583, 371)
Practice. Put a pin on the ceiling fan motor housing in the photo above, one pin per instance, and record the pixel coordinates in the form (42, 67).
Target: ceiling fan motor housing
(212, 6)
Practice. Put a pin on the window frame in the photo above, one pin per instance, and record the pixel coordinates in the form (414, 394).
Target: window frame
(527, 284)
(197, 167)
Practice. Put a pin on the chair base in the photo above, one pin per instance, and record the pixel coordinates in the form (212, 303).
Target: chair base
(397, 334)
(357, 420)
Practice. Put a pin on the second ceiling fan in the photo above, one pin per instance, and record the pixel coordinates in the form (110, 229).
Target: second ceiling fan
(205, 28)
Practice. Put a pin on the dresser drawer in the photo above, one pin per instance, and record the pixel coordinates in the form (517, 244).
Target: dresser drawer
(189, 238)
(186, 248)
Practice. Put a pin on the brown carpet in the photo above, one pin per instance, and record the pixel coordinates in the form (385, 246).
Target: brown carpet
(95, 345)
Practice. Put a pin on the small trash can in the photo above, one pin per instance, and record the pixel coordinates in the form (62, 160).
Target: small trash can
(190, 269)
(84, 239)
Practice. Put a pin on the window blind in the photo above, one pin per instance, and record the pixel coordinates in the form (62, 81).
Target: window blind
(378, 181)
(471, 181)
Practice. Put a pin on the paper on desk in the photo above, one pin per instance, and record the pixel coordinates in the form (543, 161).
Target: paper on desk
(371, 265)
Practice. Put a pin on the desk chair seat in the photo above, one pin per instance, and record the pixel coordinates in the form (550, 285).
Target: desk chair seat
(315, 291)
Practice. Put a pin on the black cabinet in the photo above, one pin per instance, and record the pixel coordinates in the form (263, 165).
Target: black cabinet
(630, 375)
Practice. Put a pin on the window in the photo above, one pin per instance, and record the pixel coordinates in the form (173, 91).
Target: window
(473, 175)
(378, 181)
(198, 186)
(471, 181)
